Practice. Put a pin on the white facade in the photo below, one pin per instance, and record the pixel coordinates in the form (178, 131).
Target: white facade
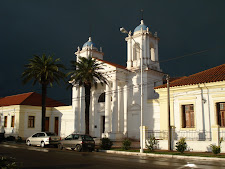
(115, 108)
(206, 128)
(14, 120)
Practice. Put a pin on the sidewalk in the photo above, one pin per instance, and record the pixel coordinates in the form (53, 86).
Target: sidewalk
(163, 155)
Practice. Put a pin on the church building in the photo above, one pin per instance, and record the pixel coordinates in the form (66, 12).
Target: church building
(115, 109)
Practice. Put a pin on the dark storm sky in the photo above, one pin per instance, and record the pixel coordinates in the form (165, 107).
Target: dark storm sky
(29, 27)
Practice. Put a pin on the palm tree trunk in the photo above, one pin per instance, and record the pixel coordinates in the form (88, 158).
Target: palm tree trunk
(87, 107)
(44, 94)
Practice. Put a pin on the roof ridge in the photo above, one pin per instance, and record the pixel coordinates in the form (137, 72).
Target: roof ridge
(31, 93)
(214, 74)
(206, 70)
(16, 95)
(111, 63)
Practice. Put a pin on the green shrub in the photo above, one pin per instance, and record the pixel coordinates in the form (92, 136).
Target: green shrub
(151, 142)
(126, 144)
(106, 144)
(181, 145)
(19, 139)
(216, 149)
(8, 163)
(10, 138)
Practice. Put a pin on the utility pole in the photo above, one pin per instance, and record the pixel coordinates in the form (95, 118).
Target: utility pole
(168, 103)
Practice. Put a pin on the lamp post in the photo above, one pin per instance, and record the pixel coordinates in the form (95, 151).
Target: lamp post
(123, 30)
(168, 108)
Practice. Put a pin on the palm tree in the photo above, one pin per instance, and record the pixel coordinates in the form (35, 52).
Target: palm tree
(44, 70)
(86, 73)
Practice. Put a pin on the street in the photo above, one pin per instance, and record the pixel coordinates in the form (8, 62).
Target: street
(37, 157)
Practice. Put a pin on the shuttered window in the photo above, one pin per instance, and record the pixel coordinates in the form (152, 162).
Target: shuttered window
(221, 114)
(5, 121)
(188, 120)
(31, 120)
(12, 121)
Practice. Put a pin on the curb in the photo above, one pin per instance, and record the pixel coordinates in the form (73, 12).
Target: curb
(162, 155)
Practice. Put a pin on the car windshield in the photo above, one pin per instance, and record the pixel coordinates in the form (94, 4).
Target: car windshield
(86, 137)
(50, 134)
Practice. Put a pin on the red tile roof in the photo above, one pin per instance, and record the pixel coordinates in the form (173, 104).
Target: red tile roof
(31, 99)
(112, 64)
(211, 75)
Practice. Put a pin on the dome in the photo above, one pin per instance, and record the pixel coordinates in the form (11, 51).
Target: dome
(89, 43)
(142, 25)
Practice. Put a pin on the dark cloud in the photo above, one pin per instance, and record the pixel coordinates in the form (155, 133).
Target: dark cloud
(59, 27)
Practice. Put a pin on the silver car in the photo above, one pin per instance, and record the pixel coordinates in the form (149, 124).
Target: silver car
(42, 139)
(78, 142)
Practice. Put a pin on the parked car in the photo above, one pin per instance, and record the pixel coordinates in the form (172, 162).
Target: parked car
(78, 142)
(43, 138)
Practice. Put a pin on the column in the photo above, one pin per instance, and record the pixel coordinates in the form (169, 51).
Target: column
(156, 51)
(125, 91)
(92, 112)
(216, 134)
(75, 105)
(114, 107)
(129, 53)
(107, 108)
(141, 51)
(120, 111)
(148, 50)
(144, 50)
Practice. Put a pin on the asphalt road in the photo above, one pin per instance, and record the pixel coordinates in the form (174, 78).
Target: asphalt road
(37, 157)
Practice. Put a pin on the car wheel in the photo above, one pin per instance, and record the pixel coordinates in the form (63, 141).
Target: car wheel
(60, 146)
(78, 148)
(42, 144)
(28, 143)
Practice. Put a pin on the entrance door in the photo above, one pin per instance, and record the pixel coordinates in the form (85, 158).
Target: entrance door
(103, 124)
(46, 123)
(56, 125)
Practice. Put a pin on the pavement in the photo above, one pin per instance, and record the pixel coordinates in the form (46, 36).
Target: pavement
(148, 154)
(163, 155)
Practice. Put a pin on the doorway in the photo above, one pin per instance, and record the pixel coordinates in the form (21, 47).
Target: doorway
(56, 125)
(103, 124)
(46, 123)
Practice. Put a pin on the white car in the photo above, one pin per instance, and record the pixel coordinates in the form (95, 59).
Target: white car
(42, 139)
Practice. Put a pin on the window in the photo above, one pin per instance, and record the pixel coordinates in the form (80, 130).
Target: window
(188, 116)
(221, 114)
(136, 51)
(31, 120)
(41, 134)
(75, 136)
(70, 137)
(35, 135)
(12, 121)
(5, 121)
(101, 98)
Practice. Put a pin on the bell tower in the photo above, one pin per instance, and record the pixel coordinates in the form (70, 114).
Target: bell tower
(89, 49)
(142, 44)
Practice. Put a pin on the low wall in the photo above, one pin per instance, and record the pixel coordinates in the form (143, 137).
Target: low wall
(198, 146)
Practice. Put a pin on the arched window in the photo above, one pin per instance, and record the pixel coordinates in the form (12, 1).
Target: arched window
(136, 51)
(152, 52)
(101, 98)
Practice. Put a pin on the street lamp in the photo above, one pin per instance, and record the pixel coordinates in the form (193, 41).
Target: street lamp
(168, 109)
(123, 30)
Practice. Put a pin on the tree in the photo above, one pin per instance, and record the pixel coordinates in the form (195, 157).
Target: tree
(44, 70)
(86, 73)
